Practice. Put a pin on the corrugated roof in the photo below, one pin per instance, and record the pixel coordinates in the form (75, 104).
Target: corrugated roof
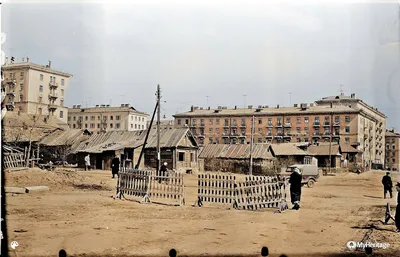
(237, 151)
(67, 137)
(284, 149)
(347, 148)
(324, 150)
(270, 111)
(116, 140)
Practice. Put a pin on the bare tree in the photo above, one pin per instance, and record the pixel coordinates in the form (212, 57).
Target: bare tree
(31, 127)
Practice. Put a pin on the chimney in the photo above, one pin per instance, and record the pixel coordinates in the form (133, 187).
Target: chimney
(353, 96)
(277, 106)
(49, 63)
(192, 108)
(27, 59)
(235, 107)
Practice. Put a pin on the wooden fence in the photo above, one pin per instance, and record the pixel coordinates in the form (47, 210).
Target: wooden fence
(259, 192)
(148, 185)
(13, 160)
(216, 188)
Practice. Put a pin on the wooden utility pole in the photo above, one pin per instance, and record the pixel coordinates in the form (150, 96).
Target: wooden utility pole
(251, 147)
(158, 128)
(330, 142)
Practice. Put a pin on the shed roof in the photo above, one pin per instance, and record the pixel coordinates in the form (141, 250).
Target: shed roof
(285, 149)
(237, 151)
(347, 148)
(319, 150)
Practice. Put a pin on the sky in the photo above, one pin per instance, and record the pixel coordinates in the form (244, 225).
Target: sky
(213, 53)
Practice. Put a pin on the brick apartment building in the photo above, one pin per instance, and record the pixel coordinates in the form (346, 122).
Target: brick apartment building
(392, 150)
(35, 89)
(103, 118)
(341, 119)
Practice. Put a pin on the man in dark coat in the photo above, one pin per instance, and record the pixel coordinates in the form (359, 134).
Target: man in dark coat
(115, 166)
(387, 185)
(295, 188)
(397, 215)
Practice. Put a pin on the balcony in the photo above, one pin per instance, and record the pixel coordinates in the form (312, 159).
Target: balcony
(194, 125)
(278, 125)
(53, 95)
(269, 125)
(52, 106)
(327, 124)
(336, 124)
(11, 81)
(316, 124)
(53, 84)
(201, 136)
(288, 125)
(202, 125)
(336, 134)
(235, 135)
(225, 135)
(226, 125)
(326, 134)
(11, 93)
(316, 134)
(287, 135)
(234, 125)
(10, 105)
(279, 135)
(242, 135)
(243, 125)
(269, 135)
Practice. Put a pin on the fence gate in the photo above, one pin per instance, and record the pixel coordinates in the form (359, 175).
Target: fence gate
(168, 187)
(216, 188)
(134, 183)
(258, 192)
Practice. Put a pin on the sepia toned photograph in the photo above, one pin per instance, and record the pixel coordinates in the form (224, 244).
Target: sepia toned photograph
(200, 128)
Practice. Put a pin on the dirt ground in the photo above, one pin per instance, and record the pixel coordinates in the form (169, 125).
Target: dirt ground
(78, 214)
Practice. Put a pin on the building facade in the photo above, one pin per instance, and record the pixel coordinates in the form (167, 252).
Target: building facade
(35, 89)
(103, 118)
(392, 155)
(301, 123)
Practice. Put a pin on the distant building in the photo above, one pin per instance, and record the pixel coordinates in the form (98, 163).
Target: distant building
(103, 118)
(392, 150)
(35, 89)
(341, 119)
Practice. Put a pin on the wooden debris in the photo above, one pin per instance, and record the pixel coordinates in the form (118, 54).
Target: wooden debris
(15, 190)
(36, 188)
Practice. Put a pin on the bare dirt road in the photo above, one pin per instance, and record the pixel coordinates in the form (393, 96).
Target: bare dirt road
(78, 214)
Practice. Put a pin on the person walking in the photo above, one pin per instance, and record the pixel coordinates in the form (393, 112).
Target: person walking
(387, 185)
(87, 162)
(295, 188)
(115, 166)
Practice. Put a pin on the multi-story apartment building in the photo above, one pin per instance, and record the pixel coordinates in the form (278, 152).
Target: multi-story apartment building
(102, 118)
(300, 123)
(35, 89)
(392, 155)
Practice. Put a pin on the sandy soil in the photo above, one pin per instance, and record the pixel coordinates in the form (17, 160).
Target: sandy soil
(78, 214)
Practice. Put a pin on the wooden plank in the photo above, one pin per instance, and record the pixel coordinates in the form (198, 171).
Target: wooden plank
(15, 190)
(36, 188)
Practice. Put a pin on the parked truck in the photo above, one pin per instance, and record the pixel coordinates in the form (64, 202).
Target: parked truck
(309, 173)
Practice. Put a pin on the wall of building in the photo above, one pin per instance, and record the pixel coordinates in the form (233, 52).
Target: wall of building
(392, 154)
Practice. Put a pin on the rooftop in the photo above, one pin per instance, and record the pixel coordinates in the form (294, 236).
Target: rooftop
(323, 109)
(237, 151)
(34, 66)
(104, 108)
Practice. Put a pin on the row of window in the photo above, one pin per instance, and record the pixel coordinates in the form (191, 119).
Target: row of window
(393, 146)
(269, 121)
(393, 160)
(258, 140)
(52, 79)
(111, 126)
(336, 131)
(41, 90)
(111, 117)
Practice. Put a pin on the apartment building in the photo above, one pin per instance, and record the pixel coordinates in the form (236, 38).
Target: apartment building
(103, 118)
(300, 123)
(35, 89)
(392, 155)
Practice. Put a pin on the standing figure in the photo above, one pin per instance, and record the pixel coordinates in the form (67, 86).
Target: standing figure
(387, 185)
(115, 166)
(87, 162)
(397, 215)
(295, 188)
(164, 169)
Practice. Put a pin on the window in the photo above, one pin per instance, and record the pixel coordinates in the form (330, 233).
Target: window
(298, 130)
(187, 122)
(86, 126)
(21, 85)
(194, 122)
(347, 129)
(217, 121)
(298, 120)
(298, 140)
(111, 117)
(217, 130)
(269, 121)
(347, 118)
(278, 121)
(305, 119)
(337, 119)
(347, 139)
(269, 132)
(393, 160)
(211, 121)
(192, 157)
(117, 117)
(260, 130)
(62, 102)
(210, 140)
(74, 118)
(40, 88)
(211, 130)
(259, 120)
(288, 120)
(41, 77)
(226, 122)
(98, 117)
(316, 120)
(86, 117)
(135, 126)
(73, 126)
(40, 99)
(39, 109)
(181, 157)
(136, 118)
(62, 92)
(226, 131)
(111, 125)
(142, 126)
(93, 118)
(259, 140)
(202, 122)
(306, 131)
(98, 125)
(394, 147)
(69, 118)
(91, 125)
(179, 122)
(62, 82)
(117, 125)
(131, 126)
(22, 74)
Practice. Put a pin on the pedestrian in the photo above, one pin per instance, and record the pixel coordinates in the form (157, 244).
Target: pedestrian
(115, 166)
(87, 162)
(387, 185)
(397, 215)
(398, 191)
(295, 188)
(164, 169)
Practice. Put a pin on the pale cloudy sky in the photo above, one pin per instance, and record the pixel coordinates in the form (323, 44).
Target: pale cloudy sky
(119, 52)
